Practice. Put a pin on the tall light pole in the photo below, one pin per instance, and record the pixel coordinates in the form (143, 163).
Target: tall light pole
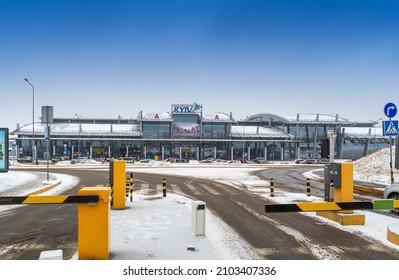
(243, 143)
(375, 122)
(33, 123)
(78, 133)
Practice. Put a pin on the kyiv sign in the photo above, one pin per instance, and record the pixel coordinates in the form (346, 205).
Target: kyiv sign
(186, 108)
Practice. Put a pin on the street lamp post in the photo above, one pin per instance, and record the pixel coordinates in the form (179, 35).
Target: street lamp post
(243, 143)
(33, 122)
(78, 133)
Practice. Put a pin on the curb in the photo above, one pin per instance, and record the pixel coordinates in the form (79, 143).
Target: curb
(368, 190)
(311, 175)
(393, 233)
(45, 189)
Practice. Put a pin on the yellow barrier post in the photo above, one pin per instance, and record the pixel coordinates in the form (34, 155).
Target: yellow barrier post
(344, 192)
(119, 184)
(308, 187)
(94, 225)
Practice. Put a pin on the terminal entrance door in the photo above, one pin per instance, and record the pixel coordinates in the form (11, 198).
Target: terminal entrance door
(186, 152)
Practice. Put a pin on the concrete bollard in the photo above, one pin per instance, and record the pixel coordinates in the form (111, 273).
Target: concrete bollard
(51, 255)
(198, 218)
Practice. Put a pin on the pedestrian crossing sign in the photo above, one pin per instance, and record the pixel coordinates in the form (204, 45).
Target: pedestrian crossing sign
(390, 128)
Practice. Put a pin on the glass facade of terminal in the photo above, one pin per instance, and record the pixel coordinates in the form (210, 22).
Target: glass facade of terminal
(186, 133)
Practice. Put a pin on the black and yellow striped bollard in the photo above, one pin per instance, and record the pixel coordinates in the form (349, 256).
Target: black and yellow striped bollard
(112, 196)
(127, 186)
(271, 187)
(308, 187)
(392, 176)
(131, 187)
(164, 187)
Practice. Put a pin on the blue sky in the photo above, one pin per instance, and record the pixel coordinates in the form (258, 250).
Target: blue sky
(108, 58)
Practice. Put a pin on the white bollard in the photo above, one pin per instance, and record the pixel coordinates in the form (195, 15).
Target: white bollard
(51, 255)
(198, 218)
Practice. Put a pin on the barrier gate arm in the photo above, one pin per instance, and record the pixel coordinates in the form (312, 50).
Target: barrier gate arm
(381, 204)
(54, 199)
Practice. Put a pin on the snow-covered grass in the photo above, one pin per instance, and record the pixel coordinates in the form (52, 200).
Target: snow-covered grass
(375, 167)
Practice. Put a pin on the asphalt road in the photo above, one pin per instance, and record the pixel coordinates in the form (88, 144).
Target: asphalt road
(275, 236)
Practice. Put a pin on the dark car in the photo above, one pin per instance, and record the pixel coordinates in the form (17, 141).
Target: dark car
(299, 160)
(310, 161)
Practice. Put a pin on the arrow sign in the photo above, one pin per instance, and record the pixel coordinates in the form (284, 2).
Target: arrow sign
(391, 128)
(390, 110)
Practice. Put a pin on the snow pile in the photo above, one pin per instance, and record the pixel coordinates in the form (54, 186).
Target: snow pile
(11, 179)
(375, 167)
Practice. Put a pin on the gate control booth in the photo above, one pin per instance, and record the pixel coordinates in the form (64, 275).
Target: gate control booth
(338, 182)
(338, 187)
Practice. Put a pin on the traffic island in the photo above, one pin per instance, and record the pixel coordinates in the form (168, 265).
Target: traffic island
(344, 219)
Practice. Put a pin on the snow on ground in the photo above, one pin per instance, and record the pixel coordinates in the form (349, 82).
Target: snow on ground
(375, 227)
(15, 183)
(375, 167)
(157, 228)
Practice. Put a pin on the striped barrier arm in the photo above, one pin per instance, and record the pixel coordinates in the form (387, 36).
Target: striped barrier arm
(56, 199)
(382, 204)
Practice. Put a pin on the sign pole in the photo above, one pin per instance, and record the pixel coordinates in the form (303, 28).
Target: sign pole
(391, 129)
(390, 161)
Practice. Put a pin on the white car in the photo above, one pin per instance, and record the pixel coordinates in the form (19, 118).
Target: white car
(392, 192)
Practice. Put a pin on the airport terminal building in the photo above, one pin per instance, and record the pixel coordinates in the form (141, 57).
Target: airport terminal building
(186, 132)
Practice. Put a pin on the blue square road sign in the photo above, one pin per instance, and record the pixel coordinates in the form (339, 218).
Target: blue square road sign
(390, 128)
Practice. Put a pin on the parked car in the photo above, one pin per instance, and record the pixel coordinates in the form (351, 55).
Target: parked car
(208, 160)
(309, 161)
(263, 161)
(299, 160)
(145, 160)
(78, 160)
(233, 162)
(25, 159)
(392, 192)
(128, 159)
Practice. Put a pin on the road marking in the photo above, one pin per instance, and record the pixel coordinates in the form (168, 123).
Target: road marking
(144, 189)
(209, 189)
(335, 249)
(193, 189)
(273, 251)
(159, 188)
(176, 188)
(227, 189)
(315, 249)
(266, 251)
(188, 182)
